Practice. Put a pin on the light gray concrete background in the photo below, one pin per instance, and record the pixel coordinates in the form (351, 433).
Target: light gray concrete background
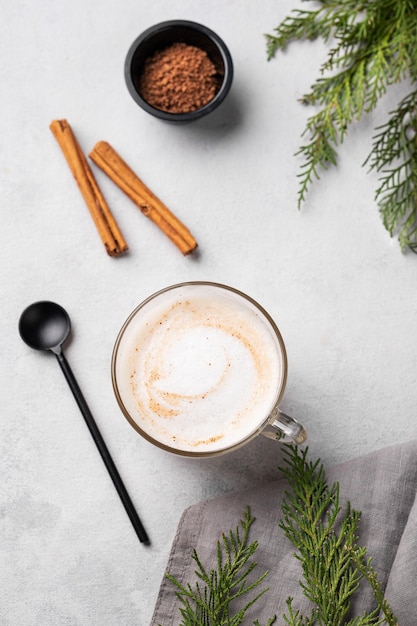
(339, 288)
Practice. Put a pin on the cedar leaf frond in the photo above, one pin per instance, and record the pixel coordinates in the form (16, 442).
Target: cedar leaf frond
(373, 45)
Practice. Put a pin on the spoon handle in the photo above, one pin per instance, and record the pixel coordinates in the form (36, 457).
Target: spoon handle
(102, 448)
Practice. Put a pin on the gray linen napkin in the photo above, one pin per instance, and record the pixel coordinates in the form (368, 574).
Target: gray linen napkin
(382, 485)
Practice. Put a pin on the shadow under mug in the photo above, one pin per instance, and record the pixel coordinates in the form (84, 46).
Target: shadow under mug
(199, 369)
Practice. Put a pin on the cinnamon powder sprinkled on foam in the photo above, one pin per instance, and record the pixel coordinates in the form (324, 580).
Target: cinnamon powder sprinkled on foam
(179, 79)
(162, 407)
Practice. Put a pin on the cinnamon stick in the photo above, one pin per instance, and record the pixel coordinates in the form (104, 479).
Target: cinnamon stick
(105, 157)
(105, 223)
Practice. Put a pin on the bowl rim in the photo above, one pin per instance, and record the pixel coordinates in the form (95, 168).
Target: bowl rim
(191, 115)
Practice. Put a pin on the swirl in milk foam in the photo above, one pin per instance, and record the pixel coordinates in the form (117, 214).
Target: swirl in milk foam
(204, 369)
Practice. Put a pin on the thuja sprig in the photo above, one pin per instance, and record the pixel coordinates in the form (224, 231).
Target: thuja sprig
(373, 45)
(326, 540)
(210, 602)
(394, 156)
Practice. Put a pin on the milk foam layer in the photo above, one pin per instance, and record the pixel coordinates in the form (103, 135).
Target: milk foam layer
(199, 368)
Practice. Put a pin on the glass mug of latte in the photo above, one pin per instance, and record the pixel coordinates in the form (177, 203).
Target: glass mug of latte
(199, 369)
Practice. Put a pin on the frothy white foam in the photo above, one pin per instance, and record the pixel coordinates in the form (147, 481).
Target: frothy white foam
(199, 368)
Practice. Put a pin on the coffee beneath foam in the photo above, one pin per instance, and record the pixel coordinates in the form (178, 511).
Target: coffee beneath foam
(198, 368)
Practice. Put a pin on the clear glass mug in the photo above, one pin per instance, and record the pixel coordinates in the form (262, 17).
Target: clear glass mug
(199, 369)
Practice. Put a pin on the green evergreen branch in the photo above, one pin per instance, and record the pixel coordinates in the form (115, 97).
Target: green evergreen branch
(394, 155)
(374, 43)
(333, 564)
(212, 605)
(368, 572)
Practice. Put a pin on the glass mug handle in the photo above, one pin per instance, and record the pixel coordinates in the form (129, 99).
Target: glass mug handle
(282, 427)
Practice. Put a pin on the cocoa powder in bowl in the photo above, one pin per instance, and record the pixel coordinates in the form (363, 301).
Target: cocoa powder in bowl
(179, 79)
(178, 70)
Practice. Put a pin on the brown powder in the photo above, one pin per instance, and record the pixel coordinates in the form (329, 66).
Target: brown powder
(179, 79)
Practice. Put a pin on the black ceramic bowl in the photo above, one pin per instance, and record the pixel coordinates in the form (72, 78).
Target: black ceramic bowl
(164, 35)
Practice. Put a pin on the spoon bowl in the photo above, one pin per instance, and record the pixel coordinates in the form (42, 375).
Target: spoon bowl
(44, 325)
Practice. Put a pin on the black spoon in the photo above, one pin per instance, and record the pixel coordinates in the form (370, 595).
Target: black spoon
(45, 326)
